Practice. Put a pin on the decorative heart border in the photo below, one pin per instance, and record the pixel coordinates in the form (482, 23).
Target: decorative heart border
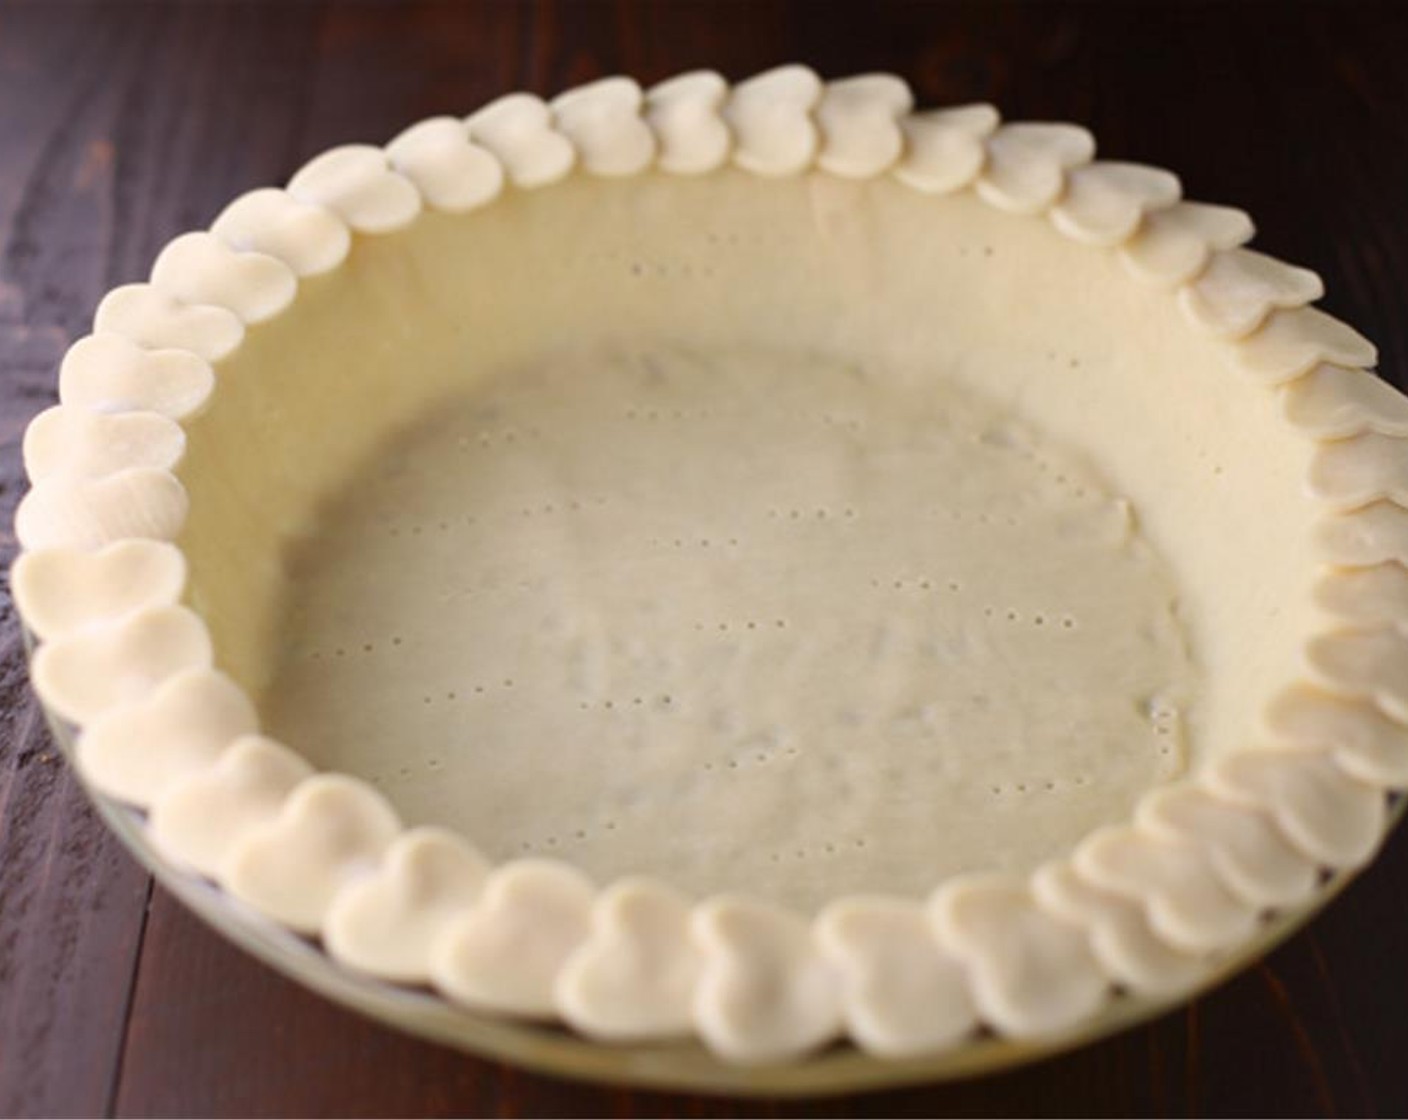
(1149, 907)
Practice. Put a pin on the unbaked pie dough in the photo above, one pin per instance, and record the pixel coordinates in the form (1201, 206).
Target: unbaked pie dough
(756, 563)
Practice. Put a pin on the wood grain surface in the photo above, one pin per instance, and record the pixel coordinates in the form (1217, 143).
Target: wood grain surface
(124, 124)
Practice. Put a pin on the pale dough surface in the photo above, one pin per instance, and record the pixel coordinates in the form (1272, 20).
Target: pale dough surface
(744, 619)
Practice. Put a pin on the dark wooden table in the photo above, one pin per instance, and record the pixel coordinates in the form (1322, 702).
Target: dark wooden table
(124, 124)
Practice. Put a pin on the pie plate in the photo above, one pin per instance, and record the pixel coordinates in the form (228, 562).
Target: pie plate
(756, 588)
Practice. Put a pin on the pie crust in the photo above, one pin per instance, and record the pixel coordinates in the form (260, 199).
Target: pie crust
(1270, 471)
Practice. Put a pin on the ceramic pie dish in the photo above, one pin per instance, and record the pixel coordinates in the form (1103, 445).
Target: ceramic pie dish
(759, 567)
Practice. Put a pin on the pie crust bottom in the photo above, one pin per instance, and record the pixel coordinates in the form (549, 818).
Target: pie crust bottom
(740, 619)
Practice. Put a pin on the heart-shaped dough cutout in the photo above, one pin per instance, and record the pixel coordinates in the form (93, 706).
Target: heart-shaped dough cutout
(357, 183)
(200, 818)
(1366, 596)
(309, 238)
(1119, 932)
(770, 116)
(944, 149)
(1105, 202)
(65, 442)
(454, 174)
(1371, 664)
(330, 831)
(1031, 973)
(155, 320)
(1174, 245)
(903, 994)
(1327, 814)
(139, 751)
(1333, 403)
(634, 977)
(1250, 856)
(1027, 163)
(518, 129)
(505, 954)
(1367, 745)
(90, 672)
(1346, 473)
(1241, 287)
(108, 373)
(388, 923)
(603, 122)
(201, 268)
(766, 993)
(686, 115)
(89, 513)
(63, 590)
(1292, 343)
(1376, 534)
(1183, 898)
(860, 129)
